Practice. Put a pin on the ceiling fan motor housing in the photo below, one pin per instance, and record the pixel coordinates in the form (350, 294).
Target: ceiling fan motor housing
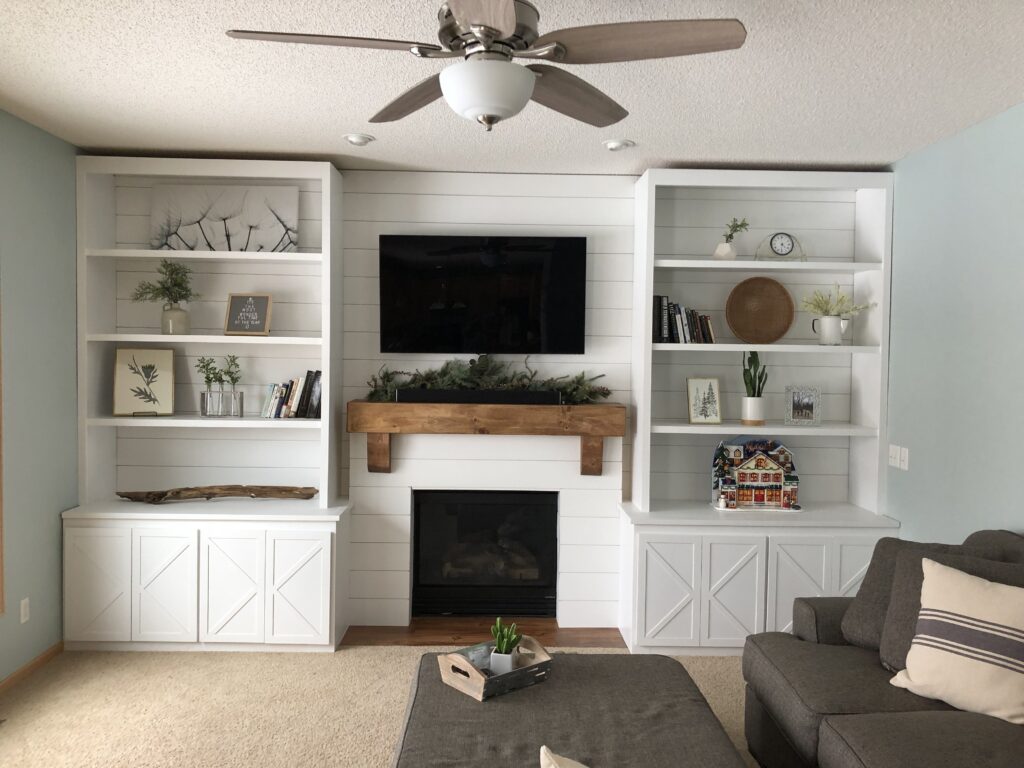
(456, 37)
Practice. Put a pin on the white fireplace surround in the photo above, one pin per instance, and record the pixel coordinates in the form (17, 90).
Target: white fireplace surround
(380, 553)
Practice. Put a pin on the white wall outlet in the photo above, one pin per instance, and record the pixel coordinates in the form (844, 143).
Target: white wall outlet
(904, 459)
(24, 611)
(894, 455)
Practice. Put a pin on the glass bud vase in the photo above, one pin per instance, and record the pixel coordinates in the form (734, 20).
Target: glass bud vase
(211, 404)
(174, 321)
(234, 403)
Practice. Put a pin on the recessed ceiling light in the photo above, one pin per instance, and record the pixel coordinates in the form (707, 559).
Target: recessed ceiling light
(617, 145)
(359, 139)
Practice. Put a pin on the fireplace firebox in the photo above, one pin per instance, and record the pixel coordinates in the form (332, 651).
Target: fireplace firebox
(484, 553)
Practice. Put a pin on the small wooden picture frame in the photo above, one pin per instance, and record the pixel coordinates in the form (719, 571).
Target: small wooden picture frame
(803, 406)
(248, 314)
(704, 399)
(144, 382)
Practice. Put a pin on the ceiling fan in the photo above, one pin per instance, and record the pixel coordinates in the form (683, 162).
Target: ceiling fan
(488, 86)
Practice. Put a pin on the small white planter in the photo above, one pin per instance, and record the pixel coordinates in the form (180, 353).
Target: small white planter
(753, 412)
(503, 662)
(830, 330)
(725, 252)
(174, 321)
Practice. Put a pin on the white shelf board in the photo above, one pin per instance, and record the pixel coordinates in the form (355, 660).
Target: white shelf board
(819, 349)
(750, 265)
(825, 515)
(291, 510)
(245, 257)
(827, 429)
(157, 338)
(189, 422)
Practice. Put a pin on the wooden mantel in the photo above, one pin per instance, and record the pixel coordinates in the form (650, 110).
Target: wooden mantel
(591, 423)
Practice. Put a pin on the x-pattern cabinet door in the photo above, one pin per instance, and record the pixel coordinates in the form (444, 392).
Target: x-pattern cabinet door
(232, 585)
(850, 563)
(97, 584)
(298, 587)
(165, 584)
(798, 566)
(669, 586)
(732, 589)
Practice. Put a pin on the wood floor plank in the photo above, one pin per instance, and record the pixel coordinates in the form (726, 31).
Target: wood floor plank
(467, 630)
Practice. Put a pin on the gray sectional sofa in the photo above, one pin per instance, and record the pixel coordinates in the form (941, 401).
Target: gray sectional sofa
(815, 699)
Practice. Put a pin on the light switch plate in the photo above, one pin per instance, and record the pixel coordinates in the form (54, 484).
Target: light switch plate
(24, 611)
(904, 459)
(894, 455)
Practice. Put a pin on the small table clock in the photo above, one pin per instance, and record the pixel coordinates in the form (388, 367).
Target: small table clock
(780, 246)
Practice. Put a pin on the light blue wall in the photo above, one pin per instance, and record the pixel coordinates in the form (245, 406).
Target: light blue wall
(37, 311)
(956, 386)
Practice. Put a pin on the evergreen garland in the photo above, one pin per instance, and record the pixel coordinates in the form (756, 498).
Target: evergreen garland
(484, 372)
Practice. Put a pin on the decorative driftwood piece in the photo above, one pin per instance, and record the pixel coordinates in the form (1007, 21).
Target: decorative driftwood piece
(220, 492)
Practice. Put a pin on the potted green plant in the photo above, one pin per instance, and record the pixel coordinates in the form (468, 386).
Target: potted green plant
(834, 313)
(726, 250)
(211, 404)
(232, 374)
(755, 376)
(506, 643)
(173, 288)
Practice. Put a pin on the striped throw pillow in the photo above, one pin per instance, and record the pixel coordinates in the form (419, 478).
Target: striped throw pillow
(968, 648)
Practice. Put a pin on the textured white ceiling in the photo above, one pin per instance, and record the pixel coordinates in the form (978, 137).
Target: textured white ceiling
(818, 83)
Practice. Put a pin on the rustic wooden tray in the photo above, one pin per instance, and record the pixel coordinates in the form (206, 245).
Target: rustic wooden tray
(468, 670)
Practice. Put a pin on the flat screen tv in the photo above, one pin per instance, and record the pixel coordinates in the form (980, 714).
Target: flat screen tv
(512, 295)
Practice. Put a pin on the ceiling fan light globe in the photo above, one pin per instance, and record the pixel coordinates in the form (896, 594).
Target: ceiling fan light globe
(493, 89)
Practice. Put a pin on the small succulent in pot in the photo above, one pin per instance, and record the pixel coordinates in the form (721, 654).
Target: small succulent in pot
(755, 376)
(506, 641)
(726, 250)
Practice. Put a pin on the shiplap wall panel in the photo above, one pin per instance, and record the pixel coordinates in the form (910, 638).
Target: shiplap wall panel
(150, 459)
(598, 208)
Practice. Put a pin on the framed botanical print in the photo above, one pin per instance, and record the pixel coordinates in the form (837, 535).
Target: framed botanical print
(803, 406)
(705, 401)
(144, 382)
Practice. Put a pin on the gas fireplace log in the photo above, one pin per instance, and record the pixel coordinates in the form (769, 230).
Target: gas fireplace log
(221, 491)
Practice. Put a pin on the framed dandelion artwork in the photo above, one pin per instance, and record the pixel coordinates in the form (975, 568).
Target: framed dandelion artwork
(144, 382)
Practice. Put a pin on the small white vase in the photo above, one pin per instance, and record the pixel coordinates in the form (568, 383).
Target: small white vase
(830, 330)
(725, 252)
(502, 663)
(753, 411)
(174, 321)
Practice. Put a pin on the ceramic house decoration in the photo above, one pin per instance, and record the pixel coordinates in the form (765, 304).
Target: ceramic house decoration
(754, 473)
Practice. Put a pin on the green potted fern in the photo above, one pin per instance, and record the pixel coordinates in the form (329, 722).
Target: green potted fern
(173, 288)
(506, 644)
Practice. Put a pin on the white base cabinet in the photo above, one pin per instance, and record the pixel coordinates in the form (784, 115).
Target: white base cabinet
(710, 588)
(188, 580)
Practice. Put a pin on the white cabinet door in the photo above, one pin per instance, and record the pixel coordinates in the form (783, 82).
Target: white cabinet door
(232, 585)
(732, 589)
(97, 584)
(798, 566)
(850, 563)
(165, 585)
(298, 587)
(668, 608)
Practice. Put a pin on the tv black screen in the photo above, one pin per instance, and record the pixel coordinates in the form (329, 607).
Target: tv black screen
(512, 295)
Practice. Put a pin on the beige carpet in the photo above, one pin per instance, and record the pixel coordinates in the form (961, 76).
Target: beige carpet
(235, 710)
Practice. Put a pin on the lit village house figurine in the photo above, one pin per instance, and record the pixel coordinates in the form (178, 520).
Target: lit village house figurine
(755, 474)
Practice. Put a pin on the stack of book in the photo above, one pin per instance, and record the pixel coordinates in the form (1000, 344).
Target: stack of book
(675, 324)
(295, 399)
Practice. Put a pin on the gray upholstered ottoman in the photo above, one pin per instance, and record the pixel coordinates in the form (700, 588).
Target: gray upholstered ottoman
(603, 710)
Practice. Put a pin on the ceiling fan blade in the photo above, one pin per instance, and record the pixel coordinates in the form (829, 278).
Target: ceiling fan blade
(499, 15)
(415, 98)
(637, 40)
(344, 42)
(576, 98)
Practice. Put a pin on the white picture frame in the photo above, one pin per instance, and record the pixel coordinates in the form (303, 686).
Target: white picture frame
(704, 400)
(802, 406)
(144, 382)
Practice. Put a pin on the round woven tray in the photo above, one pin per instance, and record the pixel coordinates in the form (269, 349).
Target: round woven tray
(759, 310)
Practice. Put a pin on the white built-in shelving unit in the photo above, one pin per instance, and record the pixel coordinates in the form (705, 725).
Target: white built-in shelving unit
(703, 577)
(124, 453)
